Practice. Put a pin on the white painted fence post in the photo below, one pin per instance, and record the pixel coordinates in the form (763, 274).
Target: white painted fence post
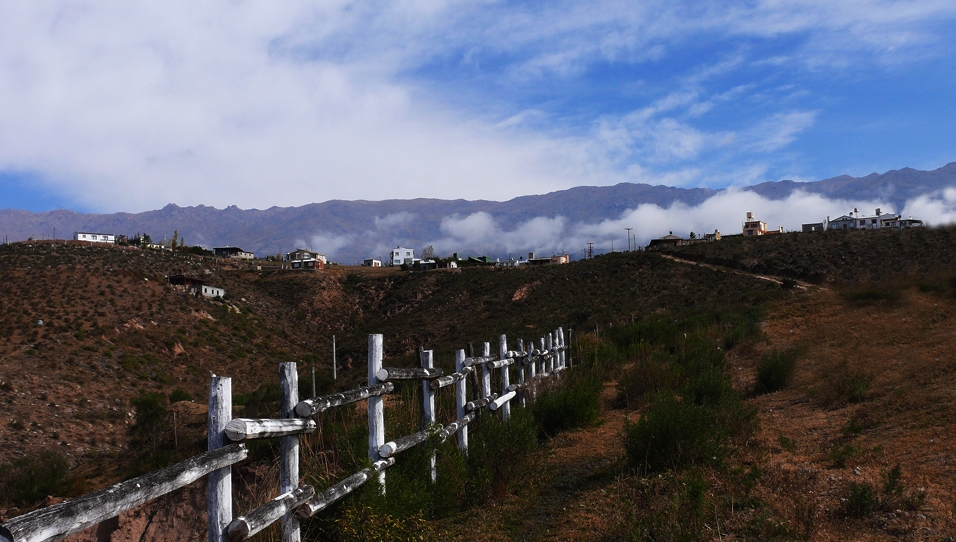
(485, 372)
(562, 354)
(219, 505)
(289, 447)
(544, 362)
(428, 404)
(376, 407)
(461, 397)
(549, 343)
(505, 376)
(534, 362)
(522, 362)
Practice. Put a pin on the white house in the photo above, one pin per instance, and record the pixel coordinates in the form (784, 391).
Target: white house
(208, 291)
(372, 262)
(233, 252)
(94, 237)
(879, 220)
(402, 255)
(303, 255)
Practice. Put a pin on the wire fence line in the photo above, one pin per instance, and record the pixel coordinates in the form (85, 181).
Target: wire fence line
(530, 362)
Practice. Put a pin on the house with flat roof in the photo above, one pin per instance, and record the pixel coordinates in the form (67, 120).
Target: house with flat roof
(233, 252)
(94, 237)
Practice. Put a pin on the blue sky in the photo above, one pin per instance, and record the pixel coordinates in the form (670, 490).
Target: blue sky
(110, 107)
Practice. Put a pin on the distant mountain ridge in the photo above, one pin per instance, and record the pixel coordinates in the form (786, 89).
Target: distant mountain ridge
(277, 229)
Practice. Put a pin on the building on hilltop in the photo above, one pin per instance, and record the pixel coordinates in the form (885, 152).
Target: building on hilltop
(301, 254)
(94, 237)
(372, 262)
(669, 240)
(305, 260)
(402, 255)
(879, 220)
(752, 227)
(233, 252)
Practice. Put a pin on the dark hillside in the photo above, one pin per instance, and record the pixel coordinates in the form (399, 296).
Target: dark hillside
(833, 256)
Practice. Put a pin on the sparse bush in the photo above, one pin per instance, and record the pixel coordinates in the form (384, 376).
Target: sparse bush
(853, 387)
(569, 404)
(775, 370)
(673, 434)
(860, 502)
(29, 480)
(180, 394)
(840, 455)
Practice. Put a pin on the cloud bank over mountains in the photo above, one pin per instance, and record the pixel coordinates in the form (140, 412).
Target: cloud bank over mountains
(350, 231)
(481, 233)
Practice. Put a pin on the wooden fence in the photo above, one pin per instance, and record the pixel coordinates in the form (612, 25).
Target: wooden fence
(530, 363)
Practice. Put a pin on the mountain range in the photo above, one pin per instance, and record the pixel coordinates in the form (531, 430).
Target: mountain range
(352, 230)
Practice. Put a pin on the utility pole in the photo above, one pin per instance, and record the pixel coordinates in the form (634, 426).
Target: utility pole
(628, 238)
(590, 250)
(334, 369)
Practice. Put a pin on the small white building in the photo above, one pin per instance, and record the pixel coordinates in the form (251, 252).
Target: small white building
(402, 255)
(94, 237)
(208, 291)
(372, 262)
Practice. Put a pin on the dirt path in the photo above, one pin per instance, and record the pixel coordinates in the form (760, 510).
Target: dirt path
(799, 283)
(572, 502)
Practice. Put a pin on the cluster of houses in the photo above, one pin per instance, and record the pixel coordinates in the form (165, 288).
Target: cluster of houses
(854, 220)
(858, 221)
(406, 256)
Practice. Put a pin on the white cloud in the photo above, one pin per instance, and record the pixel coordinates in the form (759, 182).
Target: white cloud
(394, 219)
(726, 211)
(933, 209)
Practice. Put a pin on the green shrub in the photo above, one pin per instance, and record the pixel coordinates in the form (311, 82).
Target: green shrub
(860, 501)
(853, 386)
(570, 404)
(673, 434)
(840, 455)
(775, 370)
(28, 480)
(180, 394)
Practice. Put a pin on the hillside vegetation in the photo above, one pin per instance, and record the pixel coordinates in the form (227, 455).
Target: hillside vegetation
(804, 409)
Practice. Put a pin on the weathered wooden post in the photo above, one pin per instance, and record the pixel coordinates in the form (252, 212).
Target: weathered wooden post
(428, 404)
(485, 371)
(522, 363)
(461, 398)
(562, 355)
(549, 343)
(219, 504)
(544, 362)
(505, 375)
(289, 447)
(376, 407)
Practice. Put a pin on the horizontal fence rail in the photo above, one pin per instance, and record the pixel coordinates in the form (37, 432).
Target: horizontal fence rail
(530, 363)
(310, 407)
(68, 517)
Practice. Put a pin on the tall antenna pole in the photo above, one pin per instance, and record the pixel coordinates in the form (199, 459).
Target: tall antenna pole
(590, 250)
(628, 238)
